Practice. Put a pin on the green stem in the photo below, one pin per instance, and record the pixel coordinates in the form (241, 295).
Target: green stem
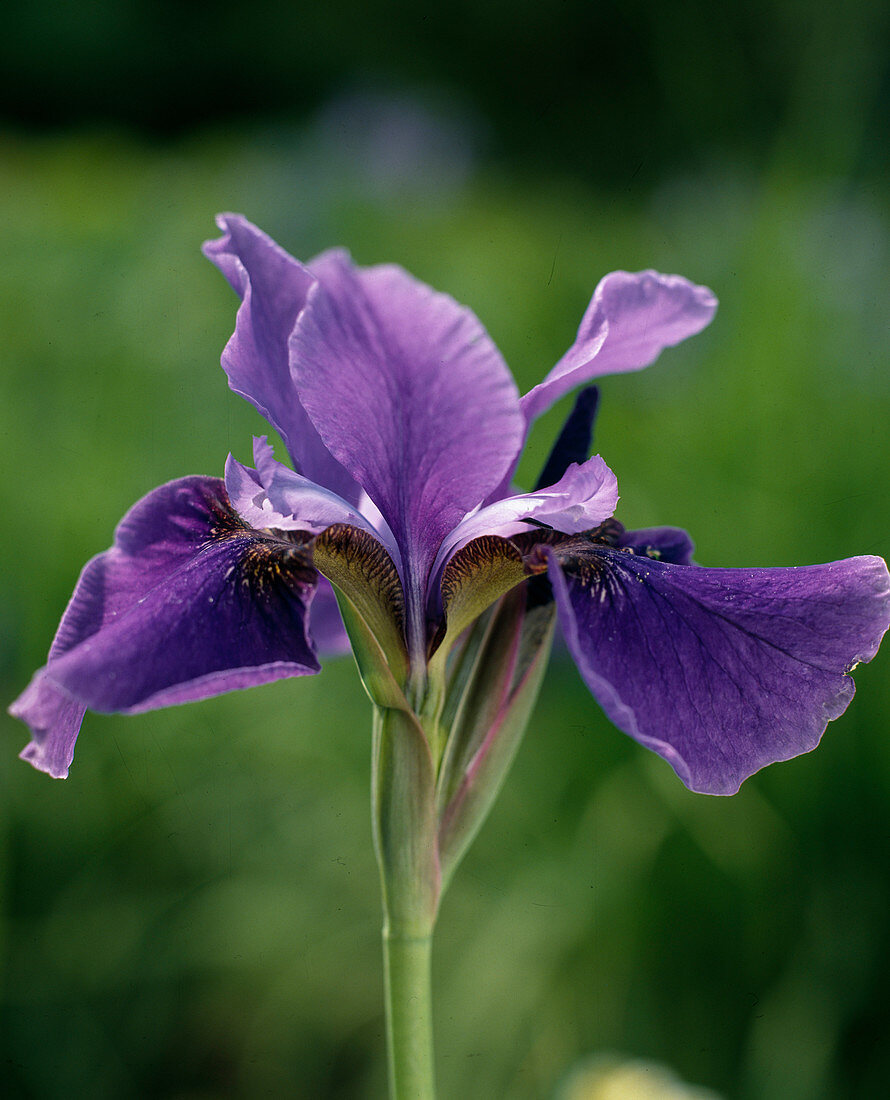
(405, 825)
(409, 1016)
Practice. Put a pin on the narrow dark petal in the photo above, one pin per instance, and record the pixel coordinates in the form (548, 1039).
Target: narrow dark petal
(574, 441)
(668, 544)
(720, 671)
(187, 603)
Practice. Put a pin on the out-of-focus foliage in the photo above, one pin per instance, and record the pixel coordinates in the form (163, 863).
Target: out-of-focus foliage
(616, 90)
(194, 912)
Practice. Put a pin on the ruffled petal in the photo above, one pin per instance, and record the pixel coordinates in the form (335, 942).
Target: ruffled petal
(187, 603)
(409, 393)
(720, 671)
(275, 496)
(583, 498)
(54, 720)
(274, 288)
(631, 319)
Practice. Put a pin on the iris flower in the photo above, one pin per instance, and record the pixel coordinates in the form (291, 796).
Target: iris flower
(404, 427)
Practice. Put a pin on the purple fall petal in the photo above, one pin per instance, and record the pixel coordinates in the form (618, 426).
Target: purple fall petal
(720, 671)
(408, 391)
(186, 604)
(274, 288)
(631, 319)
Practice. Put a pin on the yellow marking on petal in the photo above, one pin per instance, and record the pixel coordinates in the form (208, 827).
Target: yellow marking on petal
(480, 573)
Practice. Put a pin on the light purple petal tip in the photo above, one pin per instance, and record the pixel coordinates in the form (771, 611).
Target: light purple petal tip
(275, 496)
(54, 720)
(721, 671)
(631, 319)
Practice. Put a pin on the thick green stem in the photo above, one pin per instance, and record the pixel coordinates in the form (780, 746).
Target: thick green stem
(409, 1017)
(404, 802)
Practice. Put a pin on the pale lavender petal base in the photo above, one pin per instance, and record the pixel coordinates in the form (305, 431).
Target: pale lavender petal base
(583, 497)
(186, 604)
(720, 671)
(326, 623)
(273, 495)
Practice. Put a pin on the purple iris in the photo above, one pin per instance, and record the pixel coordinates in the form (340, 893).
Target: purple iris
(404, 427)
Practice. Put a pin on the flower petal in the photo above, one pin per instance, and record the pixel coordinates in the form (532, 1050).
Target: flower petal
(575, 438)
(583, 497)
(630, 320)
(720, 671)
(54, 720)
(670, 544)
(326, 623)
(275, 496)
(274, 288)
(409, 393)
(187, 603)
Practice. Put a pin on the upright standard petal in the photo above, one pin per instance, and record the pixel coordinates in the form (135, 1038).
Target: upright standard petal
(631, 319)
(188, 603)
(274, 288)
(409, 393)
(720, 671)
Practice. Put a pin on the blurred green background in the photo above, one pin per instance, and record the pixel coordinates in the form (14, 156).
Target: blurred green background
(194, 913)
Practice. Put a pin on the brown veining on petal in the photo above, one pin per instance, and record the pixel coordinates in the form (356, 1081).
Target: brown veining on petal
(483, 558)
(573, 551)
(343, 552)
(365, 577)
(478, 574)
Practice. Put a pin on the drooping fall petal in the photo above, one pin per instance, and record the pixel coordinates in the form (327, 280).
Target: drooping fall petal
(187, 603)
(720, 671)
